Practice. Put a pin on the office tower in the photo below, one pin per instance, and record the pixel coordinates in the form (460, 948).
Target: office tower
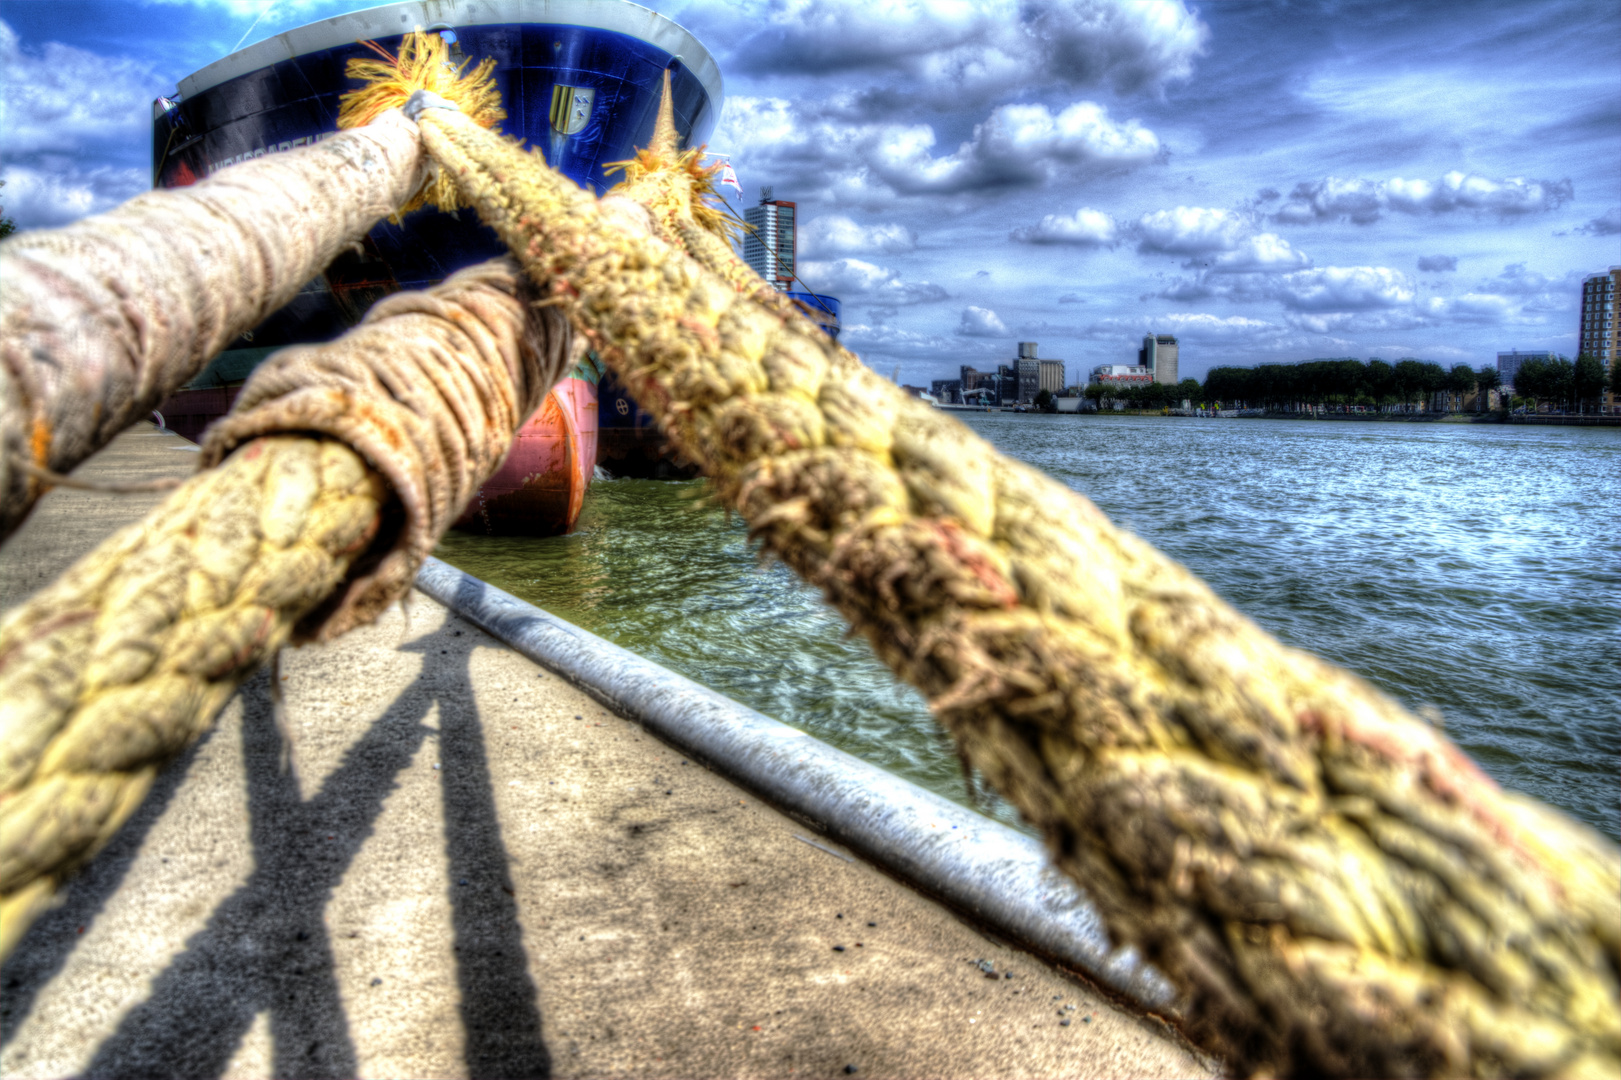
(1598, 337)
(1158, 355)
(769, 245)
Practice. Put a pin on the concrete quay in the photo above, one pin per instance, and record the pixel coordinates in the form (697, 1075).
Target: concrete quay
(468, 867)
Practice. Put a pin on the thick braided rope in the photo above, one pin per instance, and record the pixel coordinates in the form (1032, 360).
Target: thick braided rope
(103, 319)
(431, 388)
(1332, 885)
(116, 667)
(122, 662)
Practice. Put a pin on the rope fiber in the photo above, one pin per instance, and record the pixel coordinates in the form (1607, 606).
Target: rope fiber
(1332, 885)
(120, 664)
(103, 319)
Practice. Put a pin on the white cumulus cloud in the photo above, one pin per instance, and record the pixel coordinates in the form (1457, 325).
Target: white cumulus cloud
(836, 234)
(851, 278)
(980, 50)
(1190, 230)
(1263, 253)
(813, 146)
(1366, 201)
(981, 322)
(1344, 289)
(1471, 307)
(1086, 228)
(64, 98)
(42, 198)
(1017, 144)
(71, 121)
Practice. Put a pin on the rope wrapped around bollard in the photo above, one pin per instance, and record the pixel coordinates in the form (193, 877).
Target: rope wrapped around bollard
(1332, 885)
(338, 472)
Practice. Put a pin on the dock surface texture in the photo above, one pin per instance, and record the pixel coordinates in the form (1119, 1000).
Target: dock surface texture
(470, 868)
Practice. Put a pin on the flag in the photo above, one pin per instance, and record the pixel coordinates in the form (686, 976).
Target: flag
(727, 176)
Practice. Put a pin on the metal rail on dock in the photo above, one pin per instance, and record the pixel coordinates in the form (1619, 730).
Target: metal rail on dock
(981, 867)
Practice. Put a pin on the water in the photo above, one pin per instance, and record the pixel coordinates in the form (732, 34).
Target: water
(1475, 569)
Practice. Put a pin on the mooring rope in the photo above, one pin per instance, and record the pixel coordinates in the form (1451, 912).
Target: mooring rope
(1332, 885)
(120, 664)
(103, 319)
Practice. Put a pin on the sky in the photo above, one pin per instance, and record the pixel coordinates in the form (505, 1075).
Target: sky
(1268, 181)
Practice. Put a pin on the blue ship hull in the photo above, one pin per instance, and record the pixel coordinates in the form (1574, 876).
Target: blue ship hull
(603, 61)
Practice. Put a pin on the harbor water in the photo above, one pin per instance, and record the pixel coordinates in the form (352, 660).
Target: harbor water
(1471, 571)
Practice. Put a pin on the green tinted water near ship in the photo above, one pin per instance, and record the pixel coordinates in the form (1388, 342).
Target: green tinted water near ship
(1472, 569)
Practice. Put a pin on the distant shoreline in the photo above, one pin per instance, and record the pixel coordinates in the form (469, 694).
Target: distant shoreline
(1540, 420)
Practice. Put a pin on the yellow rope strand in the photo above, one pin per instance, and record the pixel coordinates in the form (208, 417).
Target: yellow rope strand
(1331, 884)
(121, 663)
(118, 665)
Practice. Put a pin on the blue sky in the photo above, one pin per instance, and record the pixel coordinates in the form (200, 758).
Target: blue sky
(1267, 181)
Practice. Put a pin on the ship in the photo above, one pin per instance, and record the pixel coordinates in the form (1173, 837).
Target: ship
(580, 79)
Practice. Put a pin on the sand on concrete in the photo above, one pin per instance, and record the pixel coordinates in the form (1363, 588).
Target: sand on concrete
(464, 866)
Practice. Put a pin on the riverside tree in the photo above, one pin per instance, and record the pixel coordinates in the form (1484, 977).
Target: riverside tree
(1487, 379)
(1587, 381)
(1546, 380)
(1460, 380)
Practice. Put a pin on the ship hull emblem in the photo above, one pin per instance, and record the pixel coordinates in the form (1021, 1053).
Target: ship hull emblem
(571, 108)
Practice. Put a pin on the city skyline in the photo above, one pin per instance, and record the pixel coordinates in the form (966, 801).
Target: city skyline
(1265, 181)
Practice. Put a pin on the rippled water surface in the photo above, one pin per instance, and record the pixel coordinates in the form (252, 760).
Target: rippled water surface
(1472, 568)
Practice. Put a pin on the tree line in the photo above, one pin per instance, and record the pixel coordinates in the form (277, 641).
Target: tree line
(1559, 382)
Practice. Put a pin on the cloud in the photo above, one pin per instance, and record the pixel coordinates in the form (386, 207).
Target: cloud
(836, 234)
(64, 99)
(1435, 264)
(1190, 230)
(1329, 289)
(70, 118)
(41, 199)
(1606, 224)
(1516, 279)
(813, 146)
(1017, 145)
(1072, 298)
(1192, 325)
(1471, 307)
(1364, 202)
(856, 278)
(978, 50)
(1263, 253)
(1344, 289)
(1086, 228)
(981, 322)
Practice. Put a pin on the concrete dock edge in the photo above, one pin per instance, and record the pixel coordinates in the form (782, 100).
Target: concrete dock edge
(999, 876)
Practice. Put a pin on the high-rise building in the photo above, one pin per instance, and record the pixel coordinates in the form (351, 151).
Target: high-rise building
(770, 242)
(1509, 362)
(1158, 355)
(1598, 335)
(1598, 330)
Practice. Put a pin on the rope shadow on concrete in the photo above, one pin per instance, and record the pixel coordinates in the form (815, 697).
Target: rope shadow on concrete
(266, 948)
(40, 956)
